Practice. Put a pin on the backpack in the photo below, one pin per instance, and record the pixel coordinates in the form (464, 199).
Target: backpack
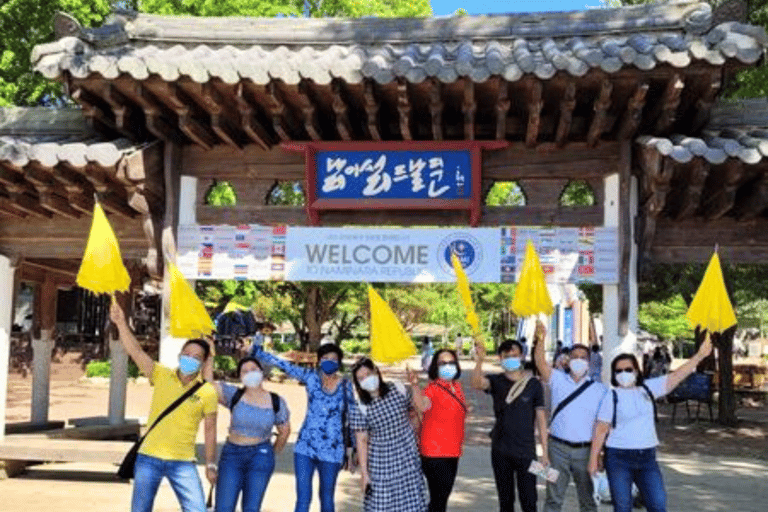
(616, 404)
(241, 391)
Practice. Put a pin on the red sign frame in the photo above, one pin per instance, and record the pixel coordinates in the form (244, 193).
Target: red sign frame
(315, 205)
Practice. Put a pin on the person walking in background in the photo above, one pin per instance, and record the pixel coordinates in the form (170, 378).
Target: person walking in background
(320, 445)
(459, 344)
(626, 426)
(444, 412)
(575, 401)
(518, 404)
(596, 364)
(390, 469)
(248, 457)
(168, 450)
(426, 353)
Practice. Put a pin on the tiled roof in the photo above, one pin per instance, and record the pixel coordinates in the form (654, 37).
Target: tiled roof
(50, 136)
(289, 49)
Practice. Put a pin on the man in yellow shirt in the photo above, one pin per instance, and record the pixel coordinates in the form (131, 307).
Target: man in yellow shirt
(169, 449)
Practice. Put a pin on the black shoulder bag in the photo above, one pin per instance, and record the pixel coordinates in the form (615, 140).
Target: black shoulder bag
(570, 398)
(126, 468)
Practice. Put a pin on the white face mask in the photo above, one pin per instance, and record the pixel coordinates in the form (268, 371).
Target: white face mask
(252, 379)
(626, 380)
(370, 383)
(578, 367)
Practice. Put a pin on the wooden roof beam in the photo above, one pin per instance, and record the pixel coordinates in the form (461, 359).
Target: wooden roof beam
(7, 207)
(534, 105)
(469, 107)
(666, 110)
(756, 202)
(404, 109)
(341, 110)
(248, 121)
(602, 103)
(157, 124)
(195, 131)
(371, 109)
(634, 113)
(502, 108)
(309, 109)
(95, 116)
(281, 117)
(706, 100)
(220, 114)
(26, 203)
(691, 198)
(657, 173)
(567, 104)
(723, 197)
(436, 108)
(57, 204)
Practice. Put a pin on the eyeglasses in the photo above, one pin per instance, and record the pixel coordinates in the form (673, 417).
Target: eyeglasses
(624, 370)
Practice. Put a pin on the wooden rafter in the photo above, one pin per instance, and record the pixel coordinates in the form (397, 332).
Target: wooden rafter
(656, 178)
(248, 122)
(404, 109)
(534, 106)
(756, 201)
(93, 113)
(121, 108)
(705, 102)
(436, 108)
(341, 110)
(156, 120)
(469, 107)
(567, 104)
(602, 103)
(371, 110)
(502, 108)
(723, 197)
(691, 198)
(634, 113)
(280, 122)
(670, 101)
(308, 107)
(47, 191)
(221, 114)
(22, 198)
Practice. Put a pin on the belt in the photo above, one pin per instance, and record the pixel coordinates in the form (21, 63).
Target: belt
(569, 443)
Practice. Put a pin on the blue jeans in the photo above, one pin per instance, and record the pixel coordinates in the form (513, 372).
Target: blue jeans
(639, 466)
(245, 469)
(304, 467)
(182, 475)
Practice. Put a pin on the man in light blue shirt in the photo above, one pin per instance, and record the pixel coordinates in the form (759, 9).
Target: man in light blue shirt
(575, 401)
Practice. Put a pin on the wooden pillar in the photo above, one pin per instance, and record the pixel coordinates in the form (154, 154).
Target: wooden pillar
(7, 270)
(42, 348)
(620, 300)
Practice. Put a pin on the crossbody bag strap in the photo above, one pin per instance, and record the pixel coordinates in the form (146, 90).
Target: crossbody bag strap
(174, 405)
(517, 389)
(570, 398)
(447, 390)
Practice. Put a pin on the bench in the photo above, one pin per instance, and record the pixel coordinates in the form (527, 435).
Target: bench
(698, 388)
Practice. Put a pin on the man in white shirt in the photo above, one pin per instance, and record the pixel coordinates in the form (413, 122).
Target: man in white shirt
(459, 345)
(575, 401)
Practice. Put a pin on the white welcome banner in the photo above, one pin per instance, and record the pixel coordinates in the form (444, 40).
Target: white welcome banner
(391, 255)
(399, 255)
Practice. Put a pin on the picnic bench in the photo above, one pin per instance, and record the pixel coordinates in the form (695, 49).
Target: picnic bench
(698, 388)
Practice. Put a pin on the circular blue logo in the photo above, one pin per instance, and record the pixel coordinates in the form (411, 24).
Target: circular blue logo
(466, 247)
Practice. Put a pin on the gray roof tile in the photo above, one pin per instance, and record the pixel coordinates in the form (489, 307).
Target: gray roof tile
(676, 33)
(745, 143)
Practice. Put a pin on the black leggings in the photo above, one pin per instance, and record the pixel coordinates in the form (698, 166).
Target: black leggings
(441, 474)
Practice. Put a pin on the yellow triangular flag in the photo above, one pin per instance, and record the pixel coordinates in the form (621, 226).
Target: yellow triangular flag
(462, 283)
(531, 294)
(188, 316)
(102, 269)
(711, 308)
(389, 341)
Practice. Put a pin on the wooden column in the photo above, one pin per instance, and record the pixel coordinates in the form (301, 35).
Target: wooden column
(7, 270)
(42, 348)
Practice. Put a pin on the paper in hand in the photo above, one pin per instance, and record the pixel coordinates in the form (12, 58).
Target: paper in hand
(546, 472)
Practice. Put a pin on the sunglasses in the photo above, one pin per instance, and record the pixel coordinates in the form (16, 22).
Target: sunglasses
(625, 370)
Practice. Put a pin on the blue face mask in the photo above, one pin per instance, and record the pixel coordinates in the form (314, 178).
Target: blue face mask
(511, 364)
(188, 365)
(329, 367)
(447, 371)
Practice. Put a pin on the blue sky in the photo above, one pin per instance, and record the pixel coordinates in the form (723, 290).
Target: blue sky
(443, 7)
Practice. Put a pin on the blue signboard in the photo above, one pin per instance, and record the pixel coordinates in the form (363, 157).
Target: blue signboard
(436, 174)
(568, 327)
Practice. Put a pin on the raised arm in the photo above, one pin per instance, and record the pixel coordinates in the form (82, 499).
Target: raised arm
(420, 402)
(295, 371)
(545, 369)
(143, 361)
(676, 377)
(479, 381)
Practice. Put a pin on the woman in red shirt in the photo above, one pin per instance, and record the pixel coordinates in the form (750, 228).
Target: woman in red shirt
(443, 410)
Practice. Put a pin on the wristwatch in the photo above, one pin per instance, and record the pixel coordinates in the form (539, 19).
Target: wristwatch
(212, 466)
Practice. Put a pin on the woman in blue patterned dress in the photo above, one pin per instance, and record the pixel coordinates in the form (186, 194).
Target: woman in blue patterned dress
(320, 445)
(390, 465)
